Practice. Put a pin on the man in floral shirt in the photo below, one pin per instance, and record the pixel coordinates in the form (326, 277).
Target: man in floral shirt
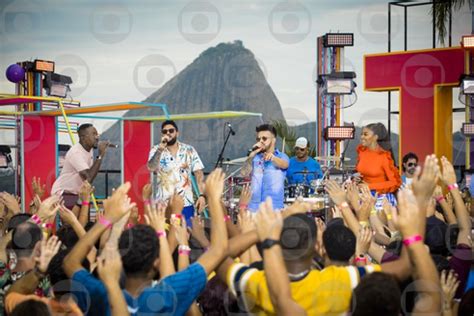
(174, 162)
(25, 247)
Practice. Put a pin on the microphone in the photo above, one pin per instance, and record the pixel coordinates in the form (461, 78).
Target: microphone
(230, 127)
(113, 146)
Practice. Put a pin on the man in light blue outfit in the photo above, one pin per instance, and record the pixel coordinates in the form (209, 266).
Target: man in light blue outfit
(268, 169)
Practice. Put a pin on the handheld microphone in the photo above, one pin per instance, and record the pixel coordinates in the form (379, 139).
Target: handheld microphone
(230, 127)
(113, 146)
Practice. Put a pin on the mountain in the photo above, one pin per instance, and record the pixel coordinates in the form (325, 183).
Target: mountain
(224, 77)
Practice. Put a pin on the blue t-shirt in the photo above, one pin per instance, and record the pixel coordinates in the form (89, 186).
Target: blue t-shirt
(267, 181)
(173, 295)
(309, 165)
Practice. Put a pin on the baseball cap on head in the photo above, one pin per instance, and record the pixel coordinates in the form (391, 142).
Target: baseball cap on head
(301, 142)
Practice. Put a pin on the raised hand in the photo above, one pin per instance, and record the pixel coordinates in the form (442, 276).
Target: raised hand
(176, 203)
(336, 193)
(245, 195)
(86, 190)
(156, 217)
(245, 221)
(364, 238)
(49, 248)
(269, 223)
(198, 231)
(146, 192)
(116, 206)
(215, 184)
(109, 264)
(103, 146)
(448, 175)
(10, 202)
(352, 195)
(407, 221)
(49, 207)
(38, 189)
(449, 283)
(181, 231)
(424, 183)
(67, 216)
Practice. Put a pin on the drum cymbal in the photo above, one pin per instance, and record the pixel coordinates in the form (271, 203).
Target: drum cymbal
(331, 158)
(235, 162)
(306, 172)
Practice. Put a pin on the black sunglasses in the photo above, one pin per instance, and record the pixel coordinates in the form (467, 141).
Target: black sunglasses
(262, 138)
(300, 149)
(412, 164)
(166, 131)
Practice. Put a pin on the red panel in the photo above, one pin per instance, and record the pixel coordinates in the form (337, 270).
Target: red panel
(415, 74)
(136, 147)
(39, 134)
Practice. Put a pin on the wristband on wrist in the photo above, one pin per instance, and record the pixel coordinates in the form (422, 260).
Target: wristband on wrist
(374, 211)
(412, 239)
(130, 225)
(226, 218)
(389, 217)
(184, 250)
(439, 198)
(364, 223)
(103, 221)
(147, 202)
(161, 233)
(47, 225)
(35, 218)
(85, 203)
(453, 186)
(243, 206)
(360, 258)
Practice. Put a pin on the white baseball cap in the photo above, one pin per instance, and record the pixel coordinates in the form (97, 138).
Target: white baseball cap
(301, 142)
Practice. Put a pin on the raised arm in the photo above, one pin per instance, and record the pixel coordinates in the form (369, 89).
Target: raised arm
(91, 173)
(218, 249)
(269, 226)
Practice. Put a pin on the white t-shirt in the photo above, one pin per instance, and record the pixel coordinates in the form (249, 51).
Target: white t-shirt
(77, 159)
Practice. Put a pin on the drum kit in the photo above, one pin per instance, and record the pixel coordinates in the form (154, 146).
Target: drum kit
(311, 191)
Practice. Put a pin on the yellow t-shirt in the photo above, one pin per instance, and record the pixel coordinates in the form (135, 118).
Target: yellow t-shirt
(322, 292)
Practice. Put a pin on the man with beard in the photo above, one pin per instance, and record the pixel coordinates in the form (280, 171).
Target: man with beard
(79, 164)
(268, 168)
(174, 162)
(409, 164)
(303, 168)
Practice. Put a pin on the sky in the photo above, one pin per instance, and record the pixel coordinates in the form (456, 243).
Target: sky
(102, 45)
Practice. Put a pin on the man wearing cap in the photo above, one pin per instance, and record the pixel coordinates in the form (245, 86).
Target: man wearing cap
(301, 163)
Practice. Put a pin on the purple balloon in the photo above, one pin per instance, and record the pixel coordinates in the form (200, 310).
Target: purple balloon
(15, 73)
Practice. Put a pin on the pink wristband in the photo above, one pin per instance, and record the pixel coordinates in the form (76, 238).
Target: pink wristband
(161, 233)
(48, 225)
(453, 186)
(35, 218)
(85, 203)
(130, 225)
(147, 202)
(243, 206)
(184, 252)
(439, 198)
(226, 218)
(105, 222)
(412, 239)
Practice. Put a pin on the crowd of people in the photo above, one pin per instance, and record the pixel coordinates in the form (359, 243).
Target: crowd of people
(187, 256)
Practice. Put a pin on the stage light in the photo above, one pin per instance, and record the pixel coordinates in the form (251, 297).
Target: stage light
(467, 41)
(43, 66)
(467, 84)
(337, 82)
(338, 39)
(57, 85)
(339, 132)
(468, 129)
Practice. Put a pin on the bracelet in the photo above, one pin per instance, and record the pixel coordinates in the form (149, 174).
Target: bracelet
(130, 225)
(184, 252)
(360, 258)
(374, 211)
(243, 206)
(439, 198)
(105, 222)
(35, 218)
(389, 217)
(453, 186)
(412, 239)
(161, 233)
(147, 202)
(85, 203)
(47, 225)
(226, 218)
(364, 223)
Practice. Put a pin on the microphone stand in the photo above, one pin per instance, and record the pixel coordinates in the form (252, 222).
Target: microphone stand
(221, 154)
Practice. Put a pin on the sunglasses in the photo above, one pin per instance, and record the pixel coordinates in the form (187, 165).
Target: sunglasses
(166, 131)
(412, 164)
(300, 149)
(262, 138)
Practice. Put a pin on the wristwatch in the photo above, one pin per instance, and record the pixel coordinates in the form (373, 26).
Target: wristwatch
(99, 157)
(268, 243)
